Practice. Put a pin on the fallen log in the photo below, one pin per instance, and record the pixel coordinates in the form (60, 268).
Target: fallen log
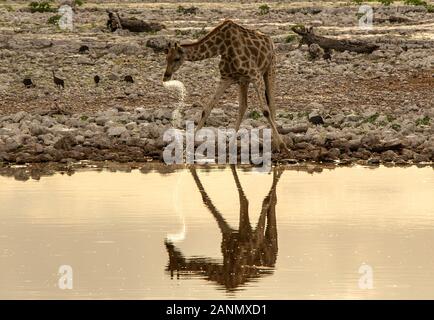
(115, 21)
(327, 44)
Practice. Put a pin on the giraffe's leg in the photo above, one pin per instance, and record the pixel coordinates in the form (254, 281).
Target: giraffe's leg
(242, 104)
(270, 87)
(244, 227)
(271, 228)
(260, 90)
(266, 228)
(223, 85)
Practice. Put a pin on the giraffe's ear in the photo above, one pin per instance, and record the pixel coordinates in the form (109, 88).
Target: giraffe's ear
(179, 48)
(166, 50)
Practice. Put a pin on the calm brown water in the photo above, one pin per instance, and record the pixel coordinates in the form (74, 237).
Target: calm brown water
(179, 235)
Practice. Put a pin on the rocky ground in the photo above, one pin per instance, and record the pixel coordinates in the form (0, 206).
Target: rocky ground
(374, 107)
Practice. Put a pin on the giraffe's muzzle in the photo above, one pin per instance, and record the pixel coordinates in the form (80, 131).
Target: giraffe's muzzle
(167, 76)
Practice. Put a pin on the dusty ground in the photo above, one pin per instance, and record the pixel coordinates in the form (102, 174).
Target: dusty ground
(383, 96)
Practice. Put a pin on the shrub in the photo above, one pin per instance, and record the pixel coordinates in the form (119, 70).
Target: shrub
(79, 2)
(286, 116)
(54, 19)
(386, 2)
(383, 2)
(264, 9)
(415, 2)
(396, 127)
(199, 33)
(43, 6)
(390, 118)
(290, 37)
(255, 115)
(423, 121)
(428, 7)
(302, 114)
(372, 118)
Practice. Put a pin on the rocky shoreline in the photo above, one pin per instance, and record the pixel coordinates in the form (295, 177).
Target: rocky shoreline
(125, 136)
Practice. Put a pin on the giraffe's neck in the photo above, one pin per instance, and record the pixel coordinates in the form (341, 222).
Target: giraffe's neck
(208, 47)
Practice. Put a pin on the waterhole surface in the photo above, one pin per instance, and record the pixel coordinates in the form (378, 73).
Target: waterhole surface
(220, 233)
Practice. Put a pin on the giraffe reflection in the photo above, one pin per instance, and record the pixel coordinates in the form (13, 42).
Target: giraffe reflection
(247, 253)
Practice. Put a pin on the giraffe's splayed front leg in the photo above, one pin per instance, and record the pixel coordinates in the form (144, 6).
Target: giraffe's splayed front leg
(177, 114)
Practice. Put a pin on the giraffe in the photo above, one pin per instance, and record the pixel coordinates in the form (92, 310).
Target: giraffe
(247, 56)
(244, 251)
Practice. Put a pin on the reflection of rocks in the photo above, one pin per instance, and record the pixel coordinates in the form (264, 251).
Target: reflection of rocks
(247, 253)
(48, 168)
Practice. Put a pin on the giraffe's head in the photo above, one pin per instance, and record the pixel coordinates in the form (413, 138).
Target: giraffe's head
(175, 57)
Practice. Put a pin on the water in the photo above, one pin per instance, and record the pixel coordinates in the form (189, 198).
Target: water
(160, 235)
(179, 87)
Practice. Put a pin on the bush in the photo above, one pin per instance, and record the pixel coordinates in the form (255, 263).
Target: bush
(383, 2)
(286, 116)
(428, 7)
(372, 118)
(54, 19)
(264, 9)
(423, 121)
(199, 33)
(396, 127)
(416, 2)
(290, 37)
(43, 6)
(255, 115)
(390, 118)
(79, 2)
